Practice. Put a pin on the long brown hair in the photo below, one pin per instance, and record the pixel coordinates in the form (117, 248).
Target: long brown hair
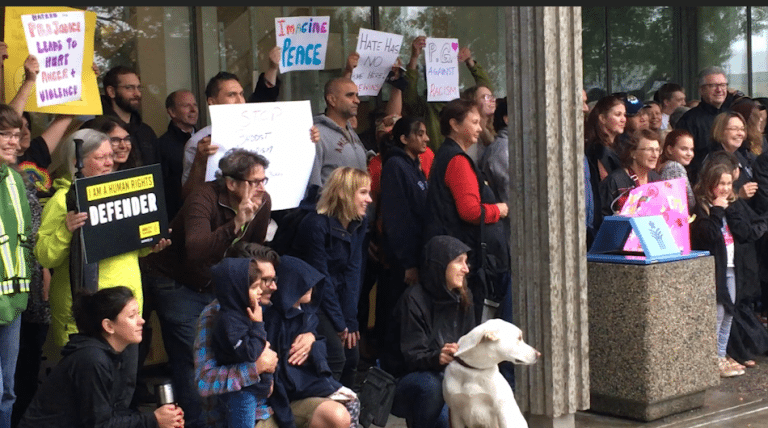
(593, 130)
(709, 177)
(670, 141)
(746, 107)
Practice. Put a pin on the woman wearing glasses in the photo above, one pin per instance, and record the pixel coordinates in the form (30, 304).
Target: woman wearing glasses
(120, 140)
(729, 131)
(638, 154)
(59, 224)
(15, 257)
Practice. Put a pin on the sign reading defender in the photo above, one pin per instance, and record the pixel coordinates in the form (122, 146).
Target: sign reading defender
(126, 211)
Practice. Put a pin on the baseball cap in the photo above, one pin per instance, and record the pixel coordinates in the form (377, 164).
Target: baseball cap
(631, 102)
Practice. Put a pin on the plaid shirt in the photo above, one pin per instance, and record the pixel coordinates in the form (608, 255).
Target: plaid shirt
(213, 379)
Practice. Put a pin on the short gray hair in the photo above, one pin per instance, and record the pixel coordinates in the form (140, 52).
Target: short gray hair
(708, 72)
(92, 140)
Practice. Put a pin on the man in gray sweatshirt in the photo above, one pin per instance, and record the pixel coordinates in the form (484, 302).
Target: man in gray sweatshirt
(339, 144)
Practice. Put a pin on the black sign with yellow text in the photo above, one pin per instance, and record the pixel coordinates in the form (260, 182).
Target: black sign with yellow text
(126, 211)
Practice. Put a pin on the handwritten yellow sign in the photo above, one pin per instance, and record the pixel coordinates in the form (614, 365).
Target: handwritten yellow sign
(89, 104)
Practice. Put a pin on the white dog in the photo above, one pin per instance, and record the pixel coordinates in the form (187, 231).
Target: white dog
(478, 396)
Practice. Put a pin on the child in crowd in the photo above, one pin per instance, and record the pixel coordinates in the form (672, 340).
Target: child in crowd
(726, 226)
(239, 335)
(710, 231)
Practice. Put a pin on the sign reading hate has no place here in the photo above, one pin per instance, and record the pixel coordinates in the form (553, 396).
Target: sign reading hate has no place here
(126, 211)
(378, 53)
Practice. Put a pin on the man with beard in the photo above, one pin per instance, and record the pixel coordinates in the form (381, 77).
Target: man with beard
(122, 99)
(182, 109)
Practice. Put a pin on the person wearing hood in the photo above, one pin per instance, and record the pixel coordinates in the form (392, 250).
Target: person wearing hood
(431, 316)
(89, 386)
(239, 335)
(403, 212)
(305, 392)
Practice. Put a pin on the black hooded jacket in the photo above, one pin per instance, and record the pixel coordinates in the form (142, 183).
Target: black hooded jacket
(87, 388)
(236, 338)
(284, 322)
(428, 315)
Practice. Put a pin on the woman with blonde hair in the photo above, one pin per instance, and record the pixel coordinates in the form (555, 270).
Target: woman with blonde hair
(332, 242)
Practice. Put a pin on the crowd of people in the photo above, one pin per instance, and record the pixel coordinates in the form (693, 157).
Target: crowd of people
(264, 314)
(718, 146)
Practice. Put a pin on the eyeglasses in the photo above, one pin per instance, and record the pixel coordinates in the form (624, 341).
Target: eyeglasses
(715, 85)
(131, 88)
(268, 280)
(650, 149)
(115, 141)
(487, 97)
(736, 128)
(256, 183)
(7, 135)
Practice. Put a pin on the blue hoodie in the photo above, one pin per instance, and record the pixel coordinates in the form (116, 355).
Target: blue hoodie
(284, 322)
(236, 338)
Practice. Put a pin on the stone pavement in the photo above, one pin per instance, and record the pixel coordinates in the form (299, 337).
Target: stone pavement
(739, 402)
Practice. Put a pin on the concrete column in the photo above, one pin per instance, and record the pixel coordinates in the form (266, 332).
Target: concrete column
(548, 242)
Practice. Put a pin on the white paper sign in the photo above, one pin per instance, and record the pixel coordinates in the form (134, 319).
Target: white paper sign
(303, 41)
(378, 53)
(57, 40)
(280, 132)
(442, 66)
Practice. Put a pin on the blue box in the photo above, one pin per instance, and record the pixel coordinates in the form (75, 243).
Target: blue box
(655, 238)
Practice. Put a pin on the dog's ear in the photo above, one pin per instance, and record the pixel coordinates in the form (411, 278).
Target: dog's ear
(489, 336)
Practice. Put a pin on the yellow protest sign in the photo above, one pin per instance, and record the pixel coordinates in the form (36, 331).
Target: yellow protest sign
(90, 101)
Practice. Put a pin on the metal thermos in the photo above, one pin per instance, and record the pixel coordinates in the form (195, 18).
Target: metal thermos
(164, 394)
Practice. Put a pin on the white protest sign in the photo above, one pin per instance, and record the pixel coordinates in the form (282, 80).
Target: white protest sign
(280, 132)
(378, 52)
(57, 40)
(303, 41)
(442, 64)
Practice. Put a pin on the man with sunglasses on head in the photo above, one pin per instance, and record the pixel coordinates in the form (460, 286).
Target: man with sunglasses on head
(217, 214)
(122, 100)
(713, 89)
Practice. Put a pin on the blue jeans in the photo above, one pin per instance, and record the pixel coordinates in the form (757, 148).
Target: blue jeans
(178, 309)
(239, 408)
(9, 354)
(419, 399)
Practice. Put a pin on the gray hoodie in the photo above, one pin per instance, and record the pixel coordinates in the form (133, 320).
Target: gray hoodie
(337, 147)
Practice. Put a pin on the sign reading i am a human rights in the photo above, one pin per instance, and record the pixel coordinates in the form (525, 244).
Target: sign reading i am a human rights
(126, 211)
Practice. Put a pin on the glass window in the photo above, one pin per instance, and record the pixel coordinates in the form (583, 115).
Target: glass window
(482, 29)
(722, 42)
(154, 41)
(593, 52)
(759, 51)
(641, 49)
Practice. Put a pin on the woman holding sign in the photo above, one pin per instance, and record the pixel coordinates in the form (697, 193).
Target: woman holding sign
(60, 222)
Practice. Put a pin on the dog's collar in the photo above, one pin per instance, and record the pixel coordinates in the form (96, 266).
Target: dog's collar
(464, 363)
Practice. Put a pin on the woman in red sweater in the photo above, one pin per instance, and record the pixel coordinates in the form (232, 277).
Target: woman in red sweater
(458, 198)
